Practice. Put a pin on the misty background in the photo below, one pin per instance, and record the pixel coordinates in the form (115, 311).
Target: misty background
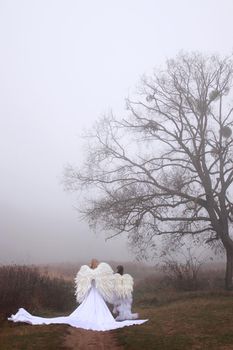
(62, 65)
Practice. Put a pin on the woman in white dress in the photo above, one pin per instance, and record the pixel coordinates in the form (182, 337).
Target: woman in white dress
(94, 285)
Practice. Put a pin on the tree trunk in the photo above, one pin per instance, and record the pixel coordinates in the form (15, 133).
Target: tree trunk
(229, 269)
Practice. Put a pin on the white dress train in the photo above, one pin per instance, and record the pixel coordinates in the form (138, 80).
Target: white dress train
(92, 314)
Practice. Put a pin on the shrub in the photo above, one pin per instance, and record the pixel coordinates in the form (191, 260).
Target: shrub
(23, 286)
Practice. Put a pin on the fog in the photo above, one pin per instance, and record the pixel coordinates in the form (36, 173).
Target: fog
(62, 65)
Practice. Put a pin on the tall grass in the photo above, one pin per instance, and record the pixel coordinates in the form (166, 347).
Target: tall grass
(24, 286)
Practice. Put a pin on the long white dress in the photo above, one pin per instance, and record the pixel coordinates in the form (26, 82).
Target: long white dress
(92, 314)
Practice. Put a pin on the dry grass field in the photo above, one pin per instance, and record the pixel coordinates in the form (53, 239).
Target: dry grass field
(178, 320)
(192, 321)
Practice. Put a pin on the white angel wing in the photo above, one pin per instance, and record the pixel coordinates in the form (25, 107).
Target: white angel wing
(127, 285)
(117, 284)
(104, 281)
(83, 282)
(123, 286)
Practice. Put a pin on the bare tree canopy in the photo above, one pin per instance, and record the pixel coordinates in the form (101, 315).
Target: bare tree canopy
(167, 166)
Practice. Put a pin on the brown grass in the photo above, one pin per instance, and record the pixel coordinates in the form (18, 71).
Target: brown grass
(26, 337)
(201, 322)
(177, 320)
(24, 286)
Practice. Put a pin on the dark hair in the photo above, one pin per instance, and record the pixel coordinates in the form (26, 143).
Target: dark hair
(120, 269)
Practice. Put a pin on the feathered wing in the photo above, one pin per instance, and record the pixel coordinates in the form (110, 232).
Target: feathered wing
(117, 286)
(123, 286)
(104, 281)
(83, 281)
(127, 285)
(123, 297)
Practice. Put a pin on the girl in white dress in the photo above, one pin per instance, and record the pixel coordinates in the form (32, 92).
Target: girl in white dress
(93, 285)
(123, 286)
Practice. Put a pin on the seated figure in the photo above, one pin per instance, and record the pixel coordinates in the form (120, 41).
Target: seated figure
(123, 288)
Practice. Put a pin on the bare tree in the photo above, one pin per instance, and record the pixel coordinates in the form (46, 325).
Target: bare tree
(166, 167)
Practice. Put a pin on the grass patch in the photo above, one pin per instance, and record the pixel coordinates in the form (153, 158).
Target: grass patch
(201, 322)
(20, 336)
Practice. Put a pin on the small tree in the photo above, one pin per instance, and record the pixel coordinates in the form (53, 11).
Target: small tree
(166, 167)
(183, 269)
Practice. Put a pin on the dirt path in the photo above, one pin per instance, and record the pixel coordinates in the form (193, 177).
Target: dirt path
(80, 339)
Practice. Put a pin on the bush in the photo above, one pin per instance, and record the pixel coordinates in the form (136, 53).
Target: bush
(23, 286)
(182, 268)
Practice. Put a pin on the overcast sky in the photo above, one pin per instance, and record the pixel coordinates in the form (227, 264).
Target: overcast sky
(64, 63)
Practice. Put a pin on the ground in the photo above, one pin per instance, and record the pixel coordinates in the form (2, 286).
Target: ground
(188, 321)
(90, 340)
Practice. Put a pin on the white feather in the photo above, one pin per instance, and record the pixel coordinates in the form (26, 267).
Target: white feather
(83, 282)
(123, 286)
(123, 297)
(104, 281)
(102, 276)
